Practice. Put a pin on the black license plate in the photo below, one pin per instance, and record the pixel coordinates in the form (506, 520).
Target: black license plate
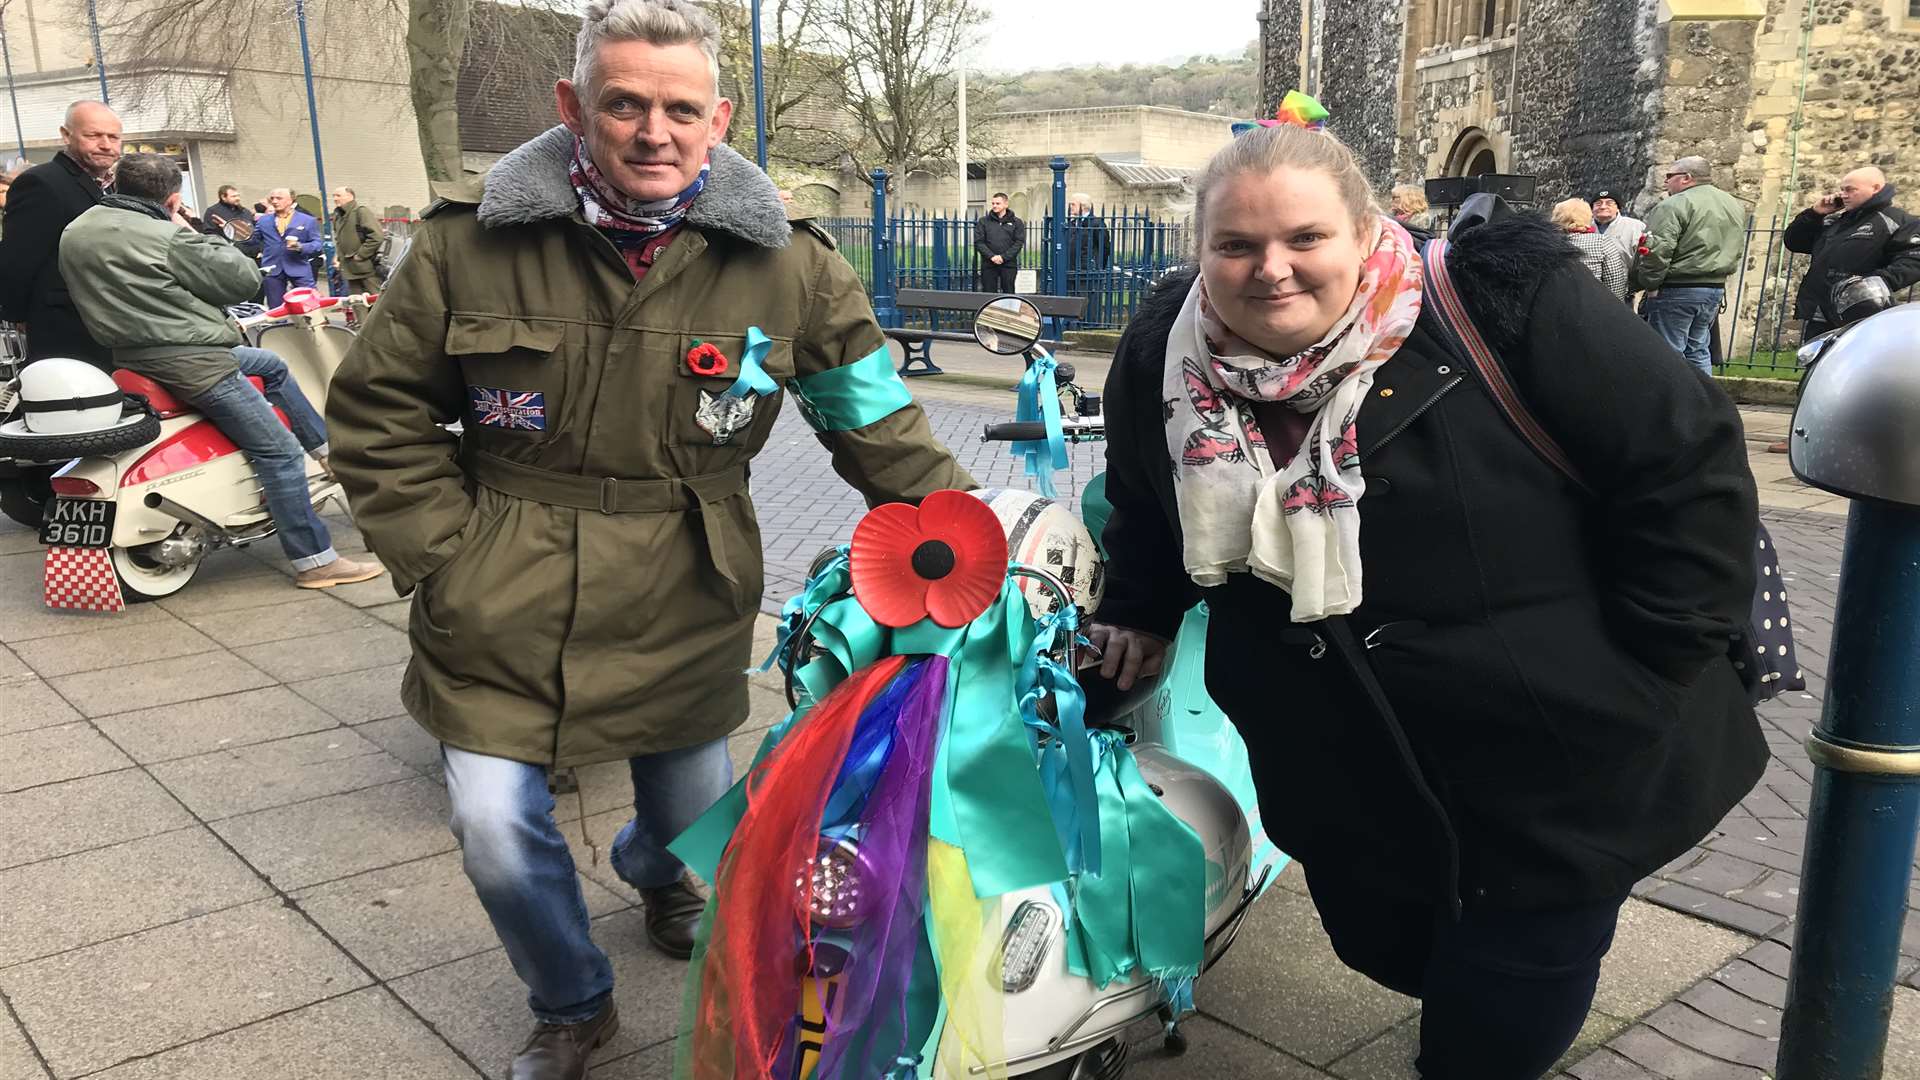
(78, 523)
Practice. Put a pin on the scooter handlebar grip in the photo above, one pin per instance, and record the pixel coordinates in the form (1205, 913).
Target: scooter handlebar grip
(1018, 431)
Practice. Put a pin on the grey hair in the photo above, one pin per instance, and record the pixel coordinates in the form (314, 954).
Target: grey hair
(1695, 166)
(657, 22)
(288, 192)
(152, 177)
(1265, 150)
(66, 120)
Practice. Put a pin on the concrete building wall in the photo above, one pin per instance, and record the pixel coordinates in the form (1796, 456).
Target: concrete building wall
(252, 130)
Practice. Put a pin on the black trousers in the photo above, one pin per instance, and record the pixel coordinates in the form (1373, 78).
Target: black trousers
(1504, 993)
(997, 279)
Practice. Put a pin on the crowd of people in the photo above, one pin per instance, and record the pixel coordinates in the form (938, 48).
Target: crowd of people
(1863, 250)
(101, 261)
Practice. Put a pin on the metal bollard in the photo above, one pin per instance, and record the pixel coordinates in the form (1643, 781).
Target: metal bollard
(1856, 433)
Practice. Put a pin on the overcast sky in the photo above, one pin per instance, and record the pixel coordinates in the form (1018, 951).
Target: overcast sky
(1029, 34)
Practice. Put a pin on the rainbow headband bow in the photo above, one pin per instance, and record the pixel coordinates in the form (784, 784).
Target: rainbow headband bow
(1298, 109)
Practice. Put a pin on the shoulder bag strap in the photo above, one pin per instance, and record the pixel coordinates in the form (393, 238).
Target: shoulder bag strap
(1446, 304)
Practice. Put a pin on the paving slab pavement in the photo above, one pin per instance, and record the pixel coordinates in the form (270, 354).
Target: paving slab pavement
(302, 912)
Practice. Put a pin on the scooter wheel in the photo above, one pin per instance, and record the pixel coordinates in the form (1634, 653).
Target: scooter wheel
(142, 581)
(87, 444)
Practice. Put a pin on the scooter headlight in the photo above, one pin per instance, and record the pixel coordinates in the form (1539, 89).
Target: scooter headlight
(840, 896)
(1024, 947)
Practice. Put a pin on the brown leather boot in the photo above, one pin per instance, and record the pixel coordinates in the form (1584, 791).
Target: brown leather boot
(673, 916)
(560, 1051)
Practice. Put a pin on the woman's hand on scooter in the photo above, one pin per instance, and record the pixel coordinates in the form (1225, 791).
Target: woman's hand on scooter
(1127, 655)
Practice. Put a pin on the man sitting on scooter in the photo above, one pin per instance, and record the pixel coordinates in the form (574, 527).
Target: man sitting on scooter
(155, 291)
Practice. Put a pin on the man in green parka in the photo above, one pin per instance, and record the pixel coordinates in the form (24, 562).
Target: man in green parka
(610, 316)
(357, 232)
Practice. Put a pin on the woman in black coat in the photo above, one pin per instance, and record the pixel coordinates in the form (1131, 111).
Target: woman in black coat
(1479, 703)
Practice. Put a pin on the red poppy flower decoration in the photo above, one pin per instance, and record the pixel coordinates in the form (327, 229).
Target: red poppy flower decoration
(945, 559)
(705, 358)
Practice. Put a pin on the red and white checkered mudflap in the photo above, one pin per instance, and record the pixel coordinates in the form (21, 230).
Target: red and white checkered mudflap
(83, 579)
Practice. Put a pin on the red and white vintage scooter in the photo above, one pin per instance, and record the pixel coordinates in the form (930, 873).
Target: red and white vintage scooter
(154, 489)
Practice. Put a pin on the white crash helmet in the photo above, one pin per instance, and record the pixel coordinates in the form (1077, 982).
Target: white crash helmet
(1045, 535)
(59, 396)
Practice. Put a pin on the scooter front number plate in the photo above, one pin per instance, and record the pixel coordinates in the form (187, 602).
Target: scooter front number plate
(86, 523)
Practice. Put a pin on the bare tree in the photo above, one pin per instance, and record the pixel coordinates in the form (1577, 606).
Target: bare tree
(436, 40)
(899, 78)
(801, 72)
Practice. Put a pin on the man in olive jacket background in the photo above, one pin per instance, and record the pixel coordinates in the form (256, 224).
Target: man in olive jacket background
(1694, 242)
(357, 232)
(610, 315)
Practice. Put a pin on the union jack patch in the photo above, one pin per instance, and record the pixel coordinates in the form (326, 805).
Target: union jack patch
(516, 410)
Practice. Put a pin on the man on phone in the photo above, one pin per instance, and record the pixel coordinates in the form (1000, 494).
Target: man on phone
(288, 238)
(1855, 235)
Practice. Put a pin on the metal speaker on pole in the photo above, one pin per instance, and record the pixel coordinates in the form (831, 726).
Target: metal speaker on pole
(1448, 190)
(1518, 190)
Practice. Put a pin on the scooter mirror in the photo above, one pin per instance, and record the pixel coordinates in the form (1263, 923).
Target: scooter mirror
(1007, 325)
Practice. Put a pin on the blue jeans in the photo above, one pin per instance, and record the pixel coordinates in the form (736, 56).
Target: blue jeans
(243, 415)
(278, 284)
(520, 866)
(1684, 317)
(285, 392)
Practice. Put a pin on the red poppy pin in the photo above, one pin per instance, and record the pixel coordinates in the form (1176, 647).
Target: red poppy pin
(945, 559)
(705, 358)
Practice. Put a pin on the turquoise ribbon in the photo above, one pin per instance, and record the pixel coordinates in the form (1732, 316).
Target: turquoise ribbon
(754, 379)
(988, 797)
(1040, 400)
(852, 395)
(1066, 760)
(1147, 912)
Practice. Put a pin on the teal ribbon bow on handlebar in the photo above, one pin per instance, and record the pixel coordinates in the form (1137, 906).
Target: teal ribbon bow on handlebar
(1040, 400)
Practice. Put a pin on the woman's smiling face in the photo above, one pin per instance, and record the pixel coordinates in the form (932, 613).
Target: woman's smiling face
(1281, 257)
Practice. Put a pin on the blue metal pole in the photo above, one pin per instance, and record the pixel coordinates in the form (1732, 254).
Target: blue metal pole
(1057, 243)
(99, 57)
(1865, 813)
(883, 307)
(18, 132)
(759, 95)
(313, 121)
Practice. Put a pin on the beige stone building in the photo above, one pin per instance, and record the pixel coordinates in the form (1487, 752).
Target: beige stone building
(1123, 156)
(238, 113)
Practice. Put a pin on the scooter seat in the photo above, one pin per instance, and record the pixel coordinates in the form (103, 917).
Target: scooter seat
(161, 398)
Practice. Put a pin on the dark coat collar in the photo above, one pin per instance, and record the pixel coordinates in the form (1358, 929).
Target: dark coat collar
(81, 177)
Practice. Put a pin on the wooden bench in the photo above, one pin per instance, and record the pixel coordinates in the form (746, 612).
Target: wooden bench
(918, 344)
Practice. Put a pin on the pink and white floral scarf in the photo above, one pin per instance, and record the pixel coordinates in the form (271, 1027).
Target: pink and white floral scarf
(1298, 525)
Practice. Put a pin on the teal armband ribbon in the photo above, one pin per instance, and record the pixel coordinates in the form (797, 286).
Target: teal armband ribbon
(852, 395)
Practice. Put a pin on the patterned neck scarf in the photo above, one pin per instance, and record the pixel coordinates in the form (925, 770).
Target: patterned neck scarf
(627, 222)
(1297, 525)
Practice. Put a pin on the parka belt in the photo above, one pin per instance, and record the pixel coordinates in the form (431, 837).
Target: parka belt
(607, 494)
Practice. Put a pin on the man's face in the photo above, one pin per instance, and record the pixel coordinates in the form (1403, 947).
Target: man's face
(94, 139)
(1856, 190)
(649, 115)
(230, 196)
(341, 198)
(279, 201)
(1075, 209)
(998, 205)
(1678, 181)
(1604, 211)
